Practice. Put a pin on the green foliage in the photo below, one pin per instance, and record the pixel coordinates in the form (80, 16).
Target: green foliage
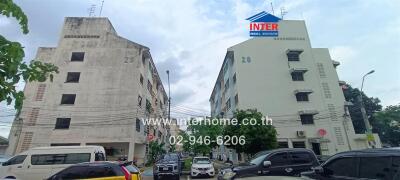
(186, 145)
(387, 124)
(9, 8)
(201, 130)
(258, 137)
(12, 67)
(172, 148)
(155, 150)
(371, 106)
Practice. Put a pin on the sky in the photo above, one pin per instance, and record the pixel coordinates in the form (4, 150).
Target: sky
(190, 38)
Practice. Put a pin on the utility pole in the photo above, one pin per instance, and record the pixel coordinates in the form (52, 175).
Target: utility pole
(169, 98)
(370, 137)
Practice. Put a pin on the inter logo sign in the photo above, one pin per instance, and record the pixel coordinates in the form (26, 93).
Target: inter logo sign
(264, 24)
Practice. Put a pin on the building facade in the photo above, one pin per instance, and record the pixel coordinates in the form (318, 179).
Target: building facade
(295, 85)
(106, 84)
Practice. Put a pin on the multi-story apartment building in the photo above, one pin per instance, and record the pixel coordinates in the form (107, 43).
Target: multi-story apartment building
(106, 84)
(296, 85)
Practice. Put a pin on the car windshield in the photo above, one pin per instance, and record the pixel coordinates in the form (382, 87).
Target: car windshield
(201, 161)
(169, 157)
(258, 159)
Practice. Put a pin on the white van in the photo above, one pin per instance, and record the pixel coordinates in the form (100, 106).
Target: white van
(42, 162)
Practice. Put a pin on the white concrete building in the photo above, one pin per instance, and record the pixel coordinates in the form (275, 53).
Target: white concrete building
(294, 84)
(105, 85)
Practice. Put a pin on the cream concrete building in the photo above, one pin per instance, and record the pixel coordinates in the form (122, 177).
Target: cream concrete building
(296, 85)
(105, 85)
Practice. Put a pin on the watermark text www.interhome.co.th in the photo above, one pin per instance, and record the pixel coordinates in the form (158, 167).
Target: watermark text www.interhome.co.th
(265, 120)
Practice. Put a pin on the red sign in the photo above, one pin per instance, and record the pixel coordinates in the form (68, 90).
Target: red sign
(150, 137)
(322, 132)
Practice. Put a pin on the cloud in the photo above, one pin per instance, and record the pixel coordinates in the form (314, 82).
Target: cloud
(343, 53)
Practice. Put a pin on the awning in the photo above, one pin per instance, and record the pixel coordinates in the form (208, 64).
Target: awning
(298, 70)
(342, 83)
(294, 51)
(312, 112)
(308, 91)
(318, 140)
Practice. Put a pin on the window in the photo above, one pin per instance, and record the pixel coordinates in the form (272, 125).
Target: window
(300, 157)
(99, 157)
(297, 76)
(143, 59)
(15, 160)
(375, 167)
(148, 106)
(73, 77)
(227, 85)
(228, 104)
(342, 167)
(62, 123)
(283, 144)
(77, 56)
(141, 79)
(159, 134)
(236, 99)
(302, 96)
(102, 171)
(279, 159)
(137, 125)
(299, 144)
(75, 172)
(140, 101)
(234, 78)
(68, 99)
(149, 86)
(48, 159)
(307, 119)
(293, 57)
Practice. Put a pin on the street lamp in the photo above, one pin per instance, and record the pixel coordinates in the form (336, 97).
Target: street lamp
(368, 127)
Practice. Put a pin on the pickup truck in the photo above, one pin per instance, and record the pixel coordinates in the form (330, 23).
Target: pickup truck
(168, 165)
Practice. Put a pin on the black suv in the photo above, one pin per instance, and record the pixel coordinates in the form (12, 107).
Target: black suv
(278, 162)
(168, 165)
(361, 164)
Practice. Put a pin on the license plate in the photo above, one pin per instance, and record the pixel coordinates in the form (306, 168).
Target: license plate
(203, 172)
(165, 168)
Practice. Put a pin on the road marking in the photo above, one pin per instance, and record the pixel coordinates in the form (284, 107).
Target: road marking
(188, 177)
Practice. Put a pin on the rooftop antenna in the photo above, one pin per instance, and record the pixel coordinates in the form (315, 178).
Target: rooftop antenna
(101, 7)
(283, 12)
(91, 10)
(272, 9)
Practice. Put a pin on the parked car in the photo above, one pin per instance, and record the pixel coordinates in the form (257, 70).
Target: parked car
(271, 178)
(361, 164)
(202, 166)
(322, 158)
(41, 162)
(99, 171)
(168, 165)
(278, 162)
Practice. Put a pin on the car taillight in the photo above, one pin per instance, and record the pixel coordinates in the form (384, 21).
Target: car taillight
(127, 173)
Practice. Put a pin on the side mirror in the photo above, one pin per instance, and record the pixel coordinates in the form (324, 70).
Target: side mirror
(267, 163)
(318, 170)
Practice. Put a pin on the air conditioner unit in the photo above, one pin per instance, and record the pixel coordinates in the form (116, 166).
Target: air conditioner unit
(301, 133)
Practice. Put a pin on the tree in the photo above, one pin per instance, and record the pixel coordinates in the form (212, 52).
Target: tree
(185, 142)
(12, 67)
(203, 129)
(387, 124)
(155, 150)
(371, 106)
(258, 137)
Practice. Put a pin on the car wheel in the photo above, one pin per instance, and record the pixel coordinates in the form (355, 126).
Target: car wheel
(155, 177)
(177, 177)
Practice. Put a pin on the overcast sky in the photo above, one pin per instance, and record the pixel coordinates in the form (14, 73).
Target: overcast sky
(190, 38)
